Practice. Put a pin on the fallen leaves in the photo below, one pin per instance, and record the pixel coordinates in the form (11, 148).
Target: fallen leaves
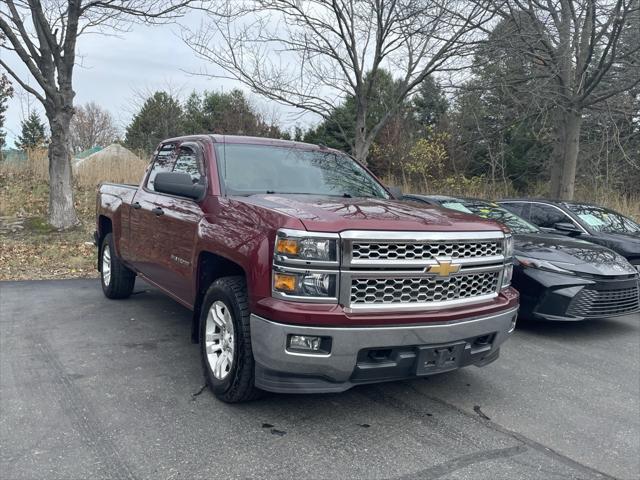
(58, 258)
(29, 248)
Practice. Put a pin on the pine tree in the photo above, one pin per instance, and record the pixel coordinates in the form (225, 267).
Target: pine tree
(159, 118)
(33, 133)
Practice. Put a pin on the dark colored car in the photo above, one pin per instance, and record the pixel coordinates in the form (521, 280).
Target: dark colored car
(582, 220)
(559, 278)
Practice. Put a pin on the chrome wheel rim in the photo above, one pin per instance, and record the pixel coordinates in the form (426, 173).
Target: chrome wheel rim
(106, 265)
(219, 338)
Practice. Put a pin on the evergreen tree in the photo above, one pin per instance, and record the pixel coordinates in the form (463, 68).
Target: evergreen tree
(33, 133)
(226, 113)
(160, 117)
(429, 104)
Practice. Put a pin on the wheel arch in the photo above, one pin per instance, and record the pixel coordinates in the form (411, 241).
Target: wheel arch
(105, 226)
(210, 267)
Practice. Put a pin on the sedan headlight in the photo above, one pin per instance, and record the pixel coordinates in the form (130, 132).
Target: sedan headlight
(297, 246)
(544, 265)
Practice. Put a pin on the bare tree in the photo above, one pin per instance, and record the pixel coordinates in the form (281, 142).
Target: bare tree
(92, 126)
(43, 34)
(313, 54)
(584, 52)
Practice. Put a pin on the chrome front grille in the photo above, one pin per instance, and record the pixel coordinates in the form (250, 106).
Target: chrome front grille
(411, 290)
(592, 303)
(424, 251)
(395, 271)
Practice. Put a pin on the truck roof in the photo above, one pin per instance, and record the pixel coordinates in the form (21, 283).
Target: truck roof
(249, 140)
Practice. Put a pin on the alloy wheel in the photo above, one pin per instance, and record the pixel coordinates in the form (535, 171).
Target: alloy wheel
(106, 265)
(219, 339)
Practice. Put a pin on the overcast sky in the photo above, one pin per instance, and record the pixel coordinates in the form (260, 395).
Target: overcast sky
(112, 70)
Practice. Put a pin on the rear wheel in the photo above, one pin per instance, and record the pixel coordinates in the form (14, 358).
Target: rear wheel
(225, 341)
(117, 280)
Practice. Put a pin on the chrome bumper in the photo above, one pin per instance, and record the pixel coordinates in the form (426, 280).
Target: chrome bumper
(280, 370)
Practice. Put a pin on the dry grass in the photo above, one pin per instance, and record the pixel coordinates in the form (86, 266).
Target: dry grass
(478, 187)
(113, 164)
(30, 248)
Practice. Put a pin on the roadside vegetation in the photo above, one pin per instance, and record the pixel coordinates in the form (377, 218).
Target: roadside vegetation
(30, 247)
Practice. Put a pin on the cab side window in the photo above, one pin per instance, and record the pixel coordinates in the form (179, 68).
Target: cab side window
(164, 161)
(189, 161)
(546, 216)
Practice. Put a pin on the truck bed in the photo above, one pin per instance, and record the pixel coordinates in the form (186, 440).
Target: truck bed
(124, 192)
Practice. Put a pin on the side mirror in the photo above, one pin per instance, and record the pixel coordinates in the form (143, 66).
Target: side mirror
(396, 192)
(178, 183)
(567, 227)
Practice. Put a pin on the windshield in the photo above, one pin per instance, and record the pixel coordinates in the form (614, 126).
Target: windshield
(250, 169)
(492, 212)
(603, 220)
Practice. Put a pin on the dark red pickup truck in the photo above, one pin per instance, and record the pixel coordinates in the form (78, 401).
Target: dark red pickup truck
(304, 275)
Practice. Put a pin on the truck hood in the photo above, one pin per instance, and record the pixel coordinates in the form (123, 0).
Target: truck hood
(335, 214)
(572, 254)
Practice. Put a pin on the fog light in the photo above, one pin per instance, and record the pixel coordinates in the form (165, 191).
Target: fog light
(305, 342)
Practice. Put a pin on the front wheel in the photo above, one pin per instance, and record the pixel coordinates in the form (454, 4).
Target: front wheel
(117, 280)
(225, 341)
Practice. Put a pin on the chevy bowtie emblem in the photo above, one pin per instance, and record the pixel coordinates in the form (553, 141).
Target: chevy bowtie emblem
(444, 268)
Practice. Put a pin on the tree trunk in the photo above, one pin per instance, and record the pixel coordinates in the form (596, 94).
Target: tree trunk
(565, 154)
(62, 212)
(557, 155)
(571, 148)
(361, 151)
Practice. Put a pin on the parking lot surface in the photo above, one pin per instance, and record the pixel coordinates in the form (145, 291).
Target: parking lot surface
(93, 388)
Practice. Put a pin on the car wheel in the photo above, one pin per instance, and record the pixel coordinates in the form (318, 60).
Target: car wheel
(117, 280)
(225, 341)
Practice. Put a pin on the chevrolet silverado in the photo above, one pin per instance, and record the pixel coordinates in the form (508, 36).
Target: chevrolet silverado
(303, 273)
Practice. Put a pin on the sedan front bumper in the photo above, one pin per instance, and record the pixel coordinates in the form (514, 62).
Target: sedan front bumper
(553, 296)
(373, 354)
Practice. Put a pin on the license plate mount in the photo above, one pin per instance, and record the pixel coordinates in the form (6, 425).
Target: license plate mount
(441, 358)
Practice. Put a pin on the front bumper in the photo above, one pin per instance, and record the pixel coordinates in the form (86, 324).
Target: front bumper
(373, 354)
(552, 296)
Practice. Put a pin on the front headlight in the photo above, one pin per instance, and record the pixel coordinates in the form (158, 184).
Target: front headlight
(295, 246)
(543, 265)
(508, 246)
(305, 284)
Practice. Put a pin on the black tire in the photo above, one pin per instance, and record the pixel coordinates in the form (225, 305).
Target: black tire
(238, 384)
(121, 279)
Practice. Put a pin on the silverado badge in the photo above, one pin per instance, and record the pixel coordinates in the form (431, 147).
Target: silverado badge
(444, 268)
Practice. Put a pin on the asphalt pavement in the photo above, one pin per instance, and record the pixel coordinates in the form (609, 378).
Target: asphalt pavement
(96, 388)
